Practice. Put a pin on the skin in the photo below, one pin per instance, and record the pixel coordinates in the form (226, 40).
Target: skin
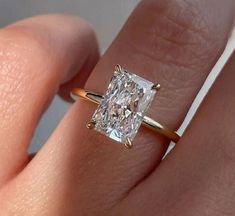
(79, 172)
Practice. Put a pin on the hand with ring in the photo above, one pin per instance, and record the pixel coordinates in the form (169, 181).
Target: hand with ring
(169, 43)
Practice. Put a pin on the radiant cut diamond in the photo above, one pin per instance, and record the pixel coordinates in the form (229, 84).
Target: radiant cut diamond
(123, 106)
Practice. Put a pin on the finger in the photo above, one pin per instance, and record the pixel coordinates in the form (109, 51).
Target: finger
(201, 168)
(37, 54)
(176, 44)
(80, 79)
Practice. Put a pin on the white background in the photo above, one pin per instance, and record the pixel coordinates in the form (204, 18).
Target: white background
(107, 17)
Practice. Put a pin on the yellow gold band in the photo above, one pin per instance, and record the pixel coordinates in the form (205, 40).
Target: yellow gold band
(96, 98)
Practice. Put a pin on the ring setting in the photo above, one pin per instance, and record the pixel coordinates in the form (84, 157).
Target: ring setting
(123, 107)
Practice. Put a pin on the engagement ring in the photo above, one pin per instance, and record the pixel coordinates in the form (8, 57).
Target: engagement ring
(121, 110)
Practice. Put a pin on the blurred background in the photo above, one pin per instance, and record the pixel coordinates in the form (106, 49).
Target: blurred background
(107, 18)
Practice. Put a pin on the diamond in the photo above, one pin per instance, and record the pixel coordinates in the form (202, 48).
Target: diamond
(123, 106)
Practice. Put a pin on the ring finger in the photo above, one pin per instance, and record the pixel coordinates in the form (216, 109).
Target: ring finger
(176, 44)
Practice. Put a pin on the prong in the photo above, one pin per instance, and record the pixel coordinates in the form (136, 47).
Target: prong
(118, 68)
(91, 125)
(156, 87)
(128, 144)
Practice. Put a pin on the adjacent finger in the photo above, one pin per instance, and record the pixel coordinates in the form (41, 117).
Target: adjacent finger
(36, 55)
(175, 43)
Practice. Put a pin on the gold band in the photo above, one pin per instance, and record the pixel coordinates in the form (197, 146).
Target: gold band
(96, 98)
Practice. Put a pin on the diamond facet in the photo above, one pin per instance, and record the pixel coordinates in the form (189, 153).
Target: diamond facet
(123, 107)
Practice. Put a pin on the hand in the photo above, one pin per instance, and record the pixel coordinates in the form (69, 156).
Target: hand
(79, 172)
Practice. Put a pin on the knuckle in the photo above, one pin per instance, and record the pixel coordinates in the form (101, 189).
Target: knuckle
(174, 32)
(23, 57)
(19, 48)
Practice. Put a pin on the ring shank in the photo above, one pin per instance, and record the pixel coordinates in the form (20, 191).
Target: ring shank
(147, 121)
